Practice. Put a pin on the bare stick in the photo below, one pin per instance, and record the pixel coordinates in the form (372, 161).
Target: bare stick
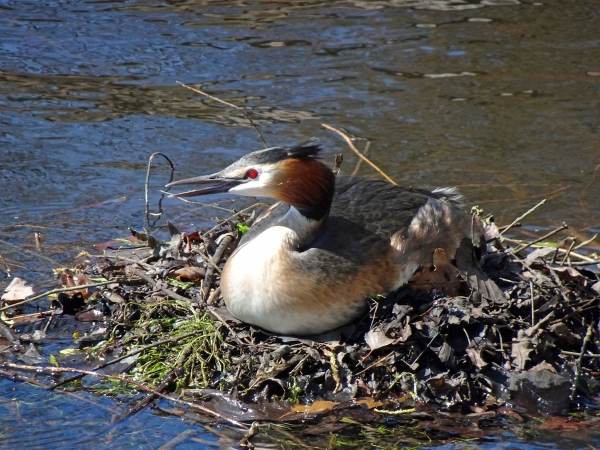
(140, 273)
(231, 105)
(38, 241)
(173, 443)
(354, 149)
(573, 240)
(584, 243)
(532, 305)
(359, 162)
(587, 355)
(57, 291)
(137, 384)
(148, 182)
(210, 269)
(16, 377)
(246, 441)
(563, 226)
(518, 219)
(588, 337)
(586, 263)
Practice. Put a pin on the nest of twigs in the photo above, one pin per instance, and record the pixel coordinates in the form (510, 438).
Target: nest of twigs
(534, 343)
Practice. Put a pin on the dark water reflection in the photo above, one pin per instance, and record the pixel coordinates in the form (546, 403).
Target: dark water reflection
(500, 98)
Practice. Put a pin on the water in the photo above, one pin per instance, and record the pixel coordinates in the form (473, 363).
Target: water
(497, 97)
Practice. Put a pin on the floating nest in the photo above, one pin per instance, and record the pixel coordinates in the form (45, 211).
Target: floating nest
(520, 331)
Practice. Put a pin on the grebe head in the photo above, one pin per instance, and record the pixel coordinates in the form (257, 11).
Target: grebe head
(290, 174)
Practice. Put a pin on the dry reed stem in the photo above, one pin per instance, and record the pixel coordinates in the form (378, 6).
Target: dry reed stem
(355, 150)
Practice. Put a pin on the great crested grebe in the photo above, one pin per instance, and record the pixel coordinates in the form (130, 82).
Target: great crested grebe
(308, 265)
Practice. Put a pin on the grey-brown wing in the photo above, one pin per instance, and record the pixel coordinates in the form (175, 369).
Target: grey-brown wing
(378, 206)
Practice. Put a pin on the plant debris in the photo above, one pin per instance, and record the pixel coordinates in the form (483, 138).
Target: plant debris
(517, 336)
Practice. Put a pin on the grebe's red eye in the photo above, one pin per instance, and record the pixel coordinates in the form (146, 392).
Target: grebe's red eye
(252, 173)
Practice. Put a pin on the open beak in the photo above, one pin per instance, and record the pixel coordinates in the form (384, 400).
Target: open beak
(216, 184)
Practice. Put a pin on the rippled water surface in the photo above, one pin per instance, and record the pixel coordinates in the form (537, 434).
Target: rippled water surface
(498, 97)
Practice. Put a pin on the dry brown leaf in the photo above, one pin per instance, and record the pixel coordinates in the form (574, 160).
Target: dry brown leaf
(562, 423)
(369, 402)
(189, 273)
(318, 407)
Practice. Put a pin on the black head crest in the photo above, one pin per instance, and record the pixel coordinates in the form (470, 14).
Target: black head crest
(307, 150)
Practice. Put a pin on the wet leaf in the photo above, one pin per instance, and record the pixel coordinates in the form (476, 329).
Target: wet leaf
(318, 407)
(476, 278)
(538, 253)
(369, 402)
(521, 349)
(569, 274)
(561, 423)
(17, 290)
(189, 273)
(377, 339)
(32, 356)
(69, 279)
(474, 355)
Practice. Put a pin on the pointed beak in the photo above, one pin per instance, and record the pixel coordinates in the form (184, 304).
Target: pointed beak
(215, 184)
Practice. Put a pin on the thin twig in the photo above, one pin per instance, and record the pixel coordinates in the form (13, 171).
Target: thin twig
(18, 377)
(124, 380)
(587, 355)
(216, 257)
(383, 358)
(355, 150)
(148, 182)
(532, 330)
(584, 243)
(593, 262)
(246, 441)
(588, 337)
(231, 105)
(173, 443)
(532, 304)
(57, 291)
(518, 219)
(573, 240)
(563, 226)
(365, 152)
(560, 250)
(165, 290)
(506, 227)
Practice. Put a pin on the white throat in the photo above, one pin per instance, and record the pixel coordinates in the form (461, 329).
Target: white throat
(256, 279)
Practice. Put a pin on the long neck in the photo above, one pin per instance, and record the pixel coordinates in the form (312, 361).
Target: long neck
(305, 230)
(310, 189)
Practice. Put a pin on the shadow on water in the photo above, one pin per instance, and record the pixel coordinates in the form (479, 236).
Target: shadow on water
(497, 97)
